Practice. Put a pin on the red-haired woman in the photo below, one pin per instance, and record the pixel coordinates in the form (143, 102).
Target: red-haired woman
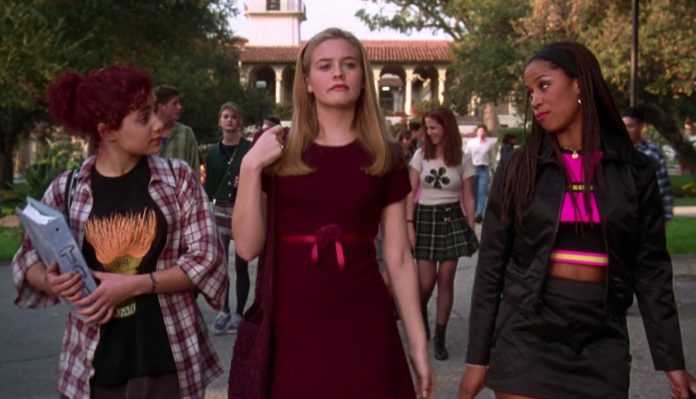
(438, 230)
(147, 232)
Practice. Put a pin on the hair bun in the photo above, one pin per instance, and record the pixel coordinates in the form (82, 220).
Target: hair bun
(62, 98)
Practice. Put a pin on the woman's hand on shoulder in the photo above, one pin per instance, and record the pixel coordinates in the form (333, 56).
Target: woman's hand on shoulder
(267, 149)
(682, 383)
(472, 381)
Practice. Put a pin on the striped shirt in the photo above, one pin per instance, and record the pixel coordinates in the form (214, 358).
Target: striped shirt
(665, 187)
(192, 244)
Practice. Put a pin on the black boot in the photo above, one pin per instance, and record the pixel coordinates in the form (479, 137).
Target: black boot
(424, 312)
(440, 350)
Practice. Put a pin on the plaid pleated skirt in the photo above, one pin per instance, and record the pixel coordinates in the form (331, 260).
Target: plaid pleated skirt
(222, 210)
(442, 233)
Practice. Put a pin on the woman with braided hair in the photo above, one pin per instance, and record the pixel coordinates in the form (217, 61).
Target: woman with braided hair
(573, 229)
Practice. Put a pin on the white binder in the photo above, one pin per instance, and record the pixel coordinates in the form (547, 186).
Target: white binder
(53, 240)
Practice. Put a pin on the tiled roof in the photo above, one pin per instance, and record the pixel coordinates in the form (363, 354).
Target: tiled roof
(378, 51)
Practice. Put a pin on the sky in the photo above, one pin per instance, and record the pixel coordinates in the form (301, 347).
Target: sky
(322, 14)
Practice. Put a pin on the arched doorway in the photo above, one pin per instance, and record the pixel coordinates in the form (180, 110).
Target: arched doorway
(391, 90)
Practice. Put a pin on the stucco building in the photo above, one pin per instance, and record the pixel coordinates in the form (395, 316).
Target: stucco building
(406, 72)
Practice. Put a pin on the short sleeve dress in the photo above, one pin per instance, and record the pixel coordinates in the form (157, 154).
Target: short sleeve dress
(334, 330)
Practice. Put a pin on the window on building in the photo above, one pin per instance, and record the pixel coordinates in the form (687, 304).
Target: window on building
(272, 5)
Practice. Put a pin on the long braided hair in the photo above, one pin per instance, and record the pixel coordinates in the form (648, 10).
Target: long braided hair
(600, 117)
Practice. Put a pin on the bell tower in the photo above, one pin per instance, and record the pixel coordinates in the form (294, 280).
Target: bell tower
(274, 22)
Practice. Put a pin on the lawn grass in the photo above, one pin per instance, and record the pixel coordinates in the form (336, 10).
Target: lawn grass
(10, 237)
(681, 235)
(680, 180)
(685, 201)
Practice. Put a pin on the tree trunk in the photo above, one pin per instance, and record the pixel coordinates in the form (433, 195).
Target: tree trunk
(490, 118)
(668, 129)
(6, 169)
(7, 141)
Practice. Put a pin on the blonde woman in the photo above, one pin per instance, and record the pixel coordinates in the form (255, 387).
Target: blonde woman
(335, 178)
(222, 174)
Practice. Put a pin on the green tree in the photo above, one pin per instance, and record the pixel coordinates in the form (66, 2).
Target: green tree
(485, 44)
(185, 43)
(32, 52)
(666, 73)
(492, 39)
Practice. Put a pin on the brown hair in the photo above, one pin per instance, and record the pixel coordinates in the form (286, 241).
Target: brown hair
(481, 126)
(164, 93)
(368, 122)
(451, 140)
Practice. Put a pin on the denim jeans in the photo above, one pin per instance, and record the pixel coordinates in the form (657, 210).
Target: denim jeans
(481, 186)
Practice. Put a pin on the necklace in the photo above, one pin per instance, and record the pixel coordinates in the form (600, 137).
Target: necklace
(574, 153)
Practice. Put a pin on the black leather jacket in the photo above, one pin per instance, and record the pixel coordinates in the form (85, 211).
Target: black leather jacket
(515, 260)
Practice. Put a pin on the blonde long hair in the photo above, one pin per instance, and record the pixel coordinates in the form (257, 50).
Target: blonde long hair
(367, 122)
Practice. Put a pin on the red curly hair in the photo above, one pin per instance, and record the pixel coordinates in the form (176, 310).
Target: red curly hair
(105, 95)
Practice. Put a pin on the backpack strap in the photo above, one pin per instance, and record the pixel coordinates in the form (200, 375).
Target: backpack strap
(70, 185)
(171, 167)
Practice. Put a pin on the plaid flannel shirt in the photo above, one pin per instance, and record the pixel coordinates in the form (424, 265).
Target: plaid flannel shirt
(662, 178)
(182, 145)
(192, 244)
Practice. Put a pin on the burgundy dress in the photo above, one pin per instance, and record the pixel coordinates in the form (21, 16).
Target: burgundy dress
(334, 330)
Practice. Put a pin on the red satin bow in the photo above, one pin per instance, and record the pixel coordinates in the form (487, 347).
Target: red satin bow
(322, 237)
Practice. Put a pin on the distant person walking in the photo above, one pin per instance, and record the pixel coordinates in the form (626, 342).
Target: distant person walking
(482, 152)
(178, 140)
(222, 165)
(635, 122)
(405, 140)
(441, 224)
(417, 134)
(146, 231)
(269, 122)
(508, 146)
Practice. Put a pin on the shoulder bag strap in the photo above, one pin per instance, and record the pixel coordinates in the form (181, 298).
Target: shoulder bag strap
(227, 172)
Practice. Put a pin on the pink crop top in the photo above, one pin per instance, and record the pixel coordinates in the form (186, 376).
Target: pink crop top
(579, 239)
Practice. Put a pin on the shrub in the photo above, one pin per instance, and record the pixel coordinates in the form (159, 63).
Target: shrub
(683, 186)
(58, 156)
(10, 238)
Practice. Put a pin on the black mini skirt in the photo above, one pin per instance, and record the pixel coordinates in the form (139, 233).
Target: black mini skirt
(569, 347)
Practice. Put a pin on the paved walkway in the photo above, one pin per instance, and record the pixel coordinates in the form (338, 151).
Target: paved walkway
(689, 211)
(30, 340)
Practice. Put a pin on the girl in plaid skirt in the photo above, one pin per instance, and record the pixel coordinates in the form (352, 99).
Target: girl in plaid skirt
(438, 230)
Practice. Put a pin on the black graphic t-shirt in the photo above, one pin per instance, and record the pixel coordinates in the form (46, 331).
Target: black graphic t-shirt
(125, 233)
